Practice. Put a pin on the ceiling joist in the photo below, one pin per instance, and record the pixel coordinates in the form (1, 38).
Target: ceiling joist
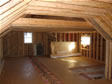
(72, 7)
(98, 10)
(51, 24)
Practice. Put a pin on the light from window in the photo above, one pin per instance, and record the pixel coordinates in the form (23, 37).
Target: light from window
(85, 40)
(27, 37)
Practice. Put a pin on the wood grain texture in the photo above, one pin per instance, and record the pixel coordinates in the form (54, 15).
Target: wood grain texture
(19, 70)
(19, 48)
(52, 24)
(97, 12)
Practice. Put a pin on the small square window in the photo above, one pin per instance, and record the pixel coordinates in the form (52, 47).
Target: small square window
(27, 37)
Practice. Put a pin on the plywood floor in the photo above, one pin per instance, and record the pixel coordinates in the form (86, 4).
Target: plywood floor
(21, 71)
(60, 67)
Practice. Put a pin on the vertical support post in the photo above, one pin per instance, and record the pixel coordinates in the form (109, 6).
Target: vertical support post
(56, 36)
(69, 37)
(101, 48)
(108, 65)
(97, 47)
(90, 47)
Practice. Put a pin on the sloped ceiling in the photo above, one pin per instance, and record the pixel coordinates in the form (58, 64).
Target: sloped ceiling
(97, 13)
(10, 11)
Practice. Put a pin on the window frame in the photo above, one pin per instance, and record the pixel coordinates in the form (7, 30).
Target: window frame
(25, 37)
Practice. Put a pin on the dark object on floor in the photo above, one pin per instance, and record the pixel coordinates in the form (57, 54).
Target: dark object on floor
(40, 49)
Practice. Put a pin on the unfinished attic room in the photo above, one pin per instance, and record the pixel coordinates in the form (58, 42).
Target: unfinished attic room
(55, 41)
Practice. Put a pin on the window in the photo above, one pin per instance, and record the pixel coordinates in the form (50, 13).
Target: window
(85, 40)
(27, 37)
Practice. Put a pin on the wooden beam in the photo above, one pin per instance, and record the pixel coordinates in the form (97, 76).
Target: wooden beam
(50, 24)
(105, 26)
(90, 47)
(5, 32)
(97, 47)
(94, 46)
(108, 1)
(82, 1)
(99, 28)
(108, 66)
(67, 6)
(9, 15)
(2, 16)
(101, 48)
(9, 5)
(57, 13)
(6, 23)
(70, 10)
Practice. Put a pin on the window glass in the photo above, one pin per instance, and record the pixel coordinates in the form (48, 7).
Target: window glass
(27, 37)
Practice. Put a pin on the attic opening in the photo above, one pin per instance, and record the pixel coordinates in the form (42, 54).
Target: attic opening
(53, 17)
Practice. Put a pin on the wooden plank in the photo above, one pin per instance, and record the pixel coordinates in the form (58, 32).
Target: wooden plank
(14, 14)
(65, 10)
(5, 32)
(60, 36)
(110, 61)
(81, 46)
(73, 37)
(9, 5)
(87, 47)
(96, 3)
(94, 41)
(108, 1)
(12, 10)
(11, 18)
(99, 28)
(90, 47)
(77, 36)
(79, 42)
(101, 48)
(108, 18)
(56, 36)
(46, 24)
(57, 13)
(106, 27)
(1, 49)
(64, 37)
(69, 37)
(66, 6)
(108, 67)
(97, 47)
(51, 29)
